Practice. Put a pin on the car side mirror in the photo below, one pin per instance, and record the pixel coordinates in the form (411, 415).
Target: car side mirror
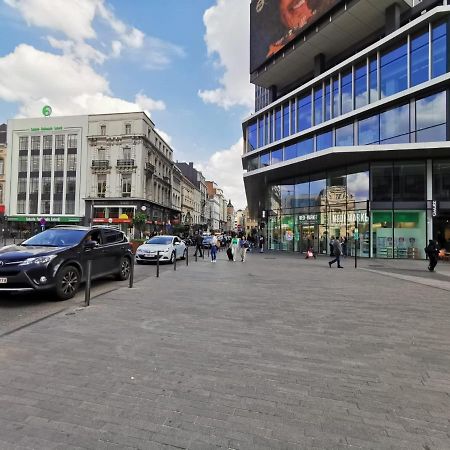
(89, 245)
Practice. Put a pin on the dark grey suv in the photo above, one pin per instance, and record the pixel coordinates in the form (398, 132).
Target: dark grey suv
(56, 260)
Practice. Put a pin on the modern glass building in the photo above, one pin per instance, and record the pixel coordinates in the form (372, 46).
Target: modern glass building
(351, 133)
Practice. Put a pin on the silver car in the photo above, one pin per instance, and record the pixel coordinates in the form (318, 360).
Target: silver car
(169, 248)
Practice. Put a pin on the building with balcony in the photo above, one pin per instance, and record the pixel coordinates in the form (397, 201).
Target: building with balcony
(350, 135)
(2, 167)
(187, 202)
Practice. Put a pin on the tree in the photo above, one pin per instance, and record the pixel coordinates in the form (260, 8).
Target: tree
(139, 222)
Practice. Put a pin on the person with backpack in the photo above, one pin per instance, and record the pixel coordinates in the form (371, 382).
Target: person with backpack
(432, 251)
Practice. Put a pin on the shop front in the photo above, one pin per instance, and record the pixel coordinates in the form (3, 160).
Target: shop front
(22, 227)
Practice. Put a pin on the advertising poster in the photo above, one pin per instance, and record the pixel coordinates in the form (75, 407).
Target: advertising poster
(274, 23)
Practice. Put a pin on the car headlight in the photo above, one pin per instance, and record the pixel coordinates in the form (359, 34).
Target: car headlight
(40, 260)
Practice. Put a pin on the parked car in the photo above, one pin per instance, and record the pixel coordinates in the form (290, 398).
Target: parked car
(56, 260)
(169, 247)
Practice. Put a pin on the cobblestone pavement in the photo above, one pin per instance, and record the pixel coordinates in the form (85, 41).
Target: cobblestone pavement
(274, 353)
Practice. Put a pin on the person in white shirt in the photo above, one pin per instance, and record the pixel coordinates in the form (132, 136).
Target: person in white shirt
(214, 249)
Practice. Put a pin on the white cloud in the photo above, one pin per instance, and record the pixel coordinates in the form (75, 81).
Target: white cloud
(34, 78)
(78, 50)
(165, 136)
(116, 47)
(227, 38)
(225, 168)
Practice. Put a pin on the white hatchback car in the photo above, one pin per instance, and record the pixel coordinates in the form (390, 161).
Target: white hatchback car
(169, 247)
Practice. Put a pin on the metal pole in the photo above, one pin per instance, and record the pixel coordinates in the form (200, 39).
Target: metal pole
(131, 278)
(157, 264)
(87, 291)
(356, 235)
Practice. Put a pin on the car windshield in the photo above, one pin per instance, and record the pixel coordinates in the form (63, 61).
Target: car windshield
(160, 240)
(56, 238)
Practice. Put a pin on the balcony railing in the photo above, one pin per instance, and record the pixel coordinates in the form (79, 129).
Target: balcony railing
(100, 164)
(149, 167)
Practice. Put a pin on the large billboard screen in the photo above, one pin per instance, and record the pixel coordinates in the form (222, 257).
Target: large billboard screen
(275, 23)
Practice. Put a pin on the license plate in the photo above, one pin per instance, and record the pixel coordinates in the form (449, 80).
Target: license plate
(3, 280)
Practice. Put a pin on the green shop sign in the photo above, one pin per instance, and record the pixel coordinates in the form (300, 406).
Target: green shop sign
(58, 219)
(47, 128)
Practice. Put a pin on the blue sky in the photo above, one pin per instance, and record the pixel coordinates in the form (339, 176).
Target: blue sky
(184, 61)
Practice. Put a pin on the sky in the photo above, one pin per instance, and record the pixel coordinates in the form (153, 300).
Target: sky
(184, 62)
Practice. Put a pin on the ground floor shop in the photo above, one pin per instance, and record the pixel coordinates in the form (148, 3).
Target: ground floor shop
(387, 209)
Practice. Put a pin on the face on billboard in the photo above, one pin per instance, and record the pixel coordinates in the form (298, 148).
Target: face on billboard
(274, 23)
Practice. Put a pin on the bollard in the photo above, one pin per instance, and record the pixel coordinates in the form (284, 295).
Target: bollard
(131, 277)
(187, 256)
(157, 264)
(87, 291)
(175, 262)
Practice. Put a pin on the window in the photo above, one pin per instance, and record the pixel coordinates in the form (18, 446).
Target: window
(34, 163)
(33, 189)
(103, 130)
(304, 113)
(59, 163)
(431, 118)
(128, 128)
(344, 135)
(35, 143)
(46, 187)
(127, 153)
(71, 183)
(70, 206)
(22, 186)
(305, 146)
(409, 181)
(276, 156)
(290, 152)
(2, 166)
(1, 193)
(101, 154)
(47, 163)
(347, 93)
(48, 142)
(394, 125)
(324, 140)
(361, 86)
(260, 132)
(59, 141)
(439, 50)
(358, 183)
(373, 79)
(441, 180)
(251, 137)
(381, 182)
(72, 141)
(394, 71)
(327, 109)
(419, 59)
(318, 105)
(21, 204)
(369, 130)
(286, 120)
(278, 124)
(23, 143)
(336, 99)
(126, 185)
(72, 162)
(293, 118)
(265, 159)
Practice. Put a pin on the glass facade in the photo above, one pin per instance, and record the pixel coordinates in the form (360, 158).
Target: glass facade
(380, 75)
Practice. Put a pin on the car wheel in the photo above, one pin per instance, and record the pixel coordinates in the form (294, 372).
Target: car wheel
(125, 268)
(172, 258)
(67, 282)
(184, 253)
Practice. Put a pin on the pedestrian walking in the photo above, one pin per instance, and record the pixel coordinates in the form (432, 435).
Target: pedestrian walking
(214, 243)
(261, 244)
(337, 252)
(234, 246)
(332, 246)
(432, 251)
(244, 245)
(198, 245)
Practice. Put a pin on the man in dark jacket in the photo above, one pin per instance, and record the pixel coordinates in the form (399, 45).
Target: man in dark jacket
(337, 250)
(198, 245)
(432, 251)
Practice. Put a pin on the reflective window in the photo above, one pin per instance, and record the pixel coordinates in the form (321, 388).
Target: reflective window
(305, 147)
(252, 137)
(344, 135)
(431, 118)
(304, 113)
(260, 132)
(419, 59)
(328, 100)
(317, 190)
(47, 142)
(439, 50)
(290, 151)
(369, 130)
(336, 99)
(293, 119)
(394, 125)
(287, 192)
(253, 163)
(301, 193)
(265, 159)
(361, 86)
(286, 120)
(441, 180)
(324, 140)
(266, 129)
(347, 93)
(318, 107)
(278, 124)
(394, 71)
(381, 182)
(409, 181)
(276, 156)
(358, 183)
(271, 118)
(23, 143)
(373, 79)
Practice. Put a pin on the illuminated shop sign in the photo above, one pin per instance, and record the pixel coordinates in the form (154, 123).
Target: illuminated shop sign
(350, 217)
(46, 128)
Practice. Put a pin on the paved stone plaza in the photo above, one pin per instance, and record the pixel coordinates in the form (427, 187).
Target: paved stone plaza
(276, 353)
